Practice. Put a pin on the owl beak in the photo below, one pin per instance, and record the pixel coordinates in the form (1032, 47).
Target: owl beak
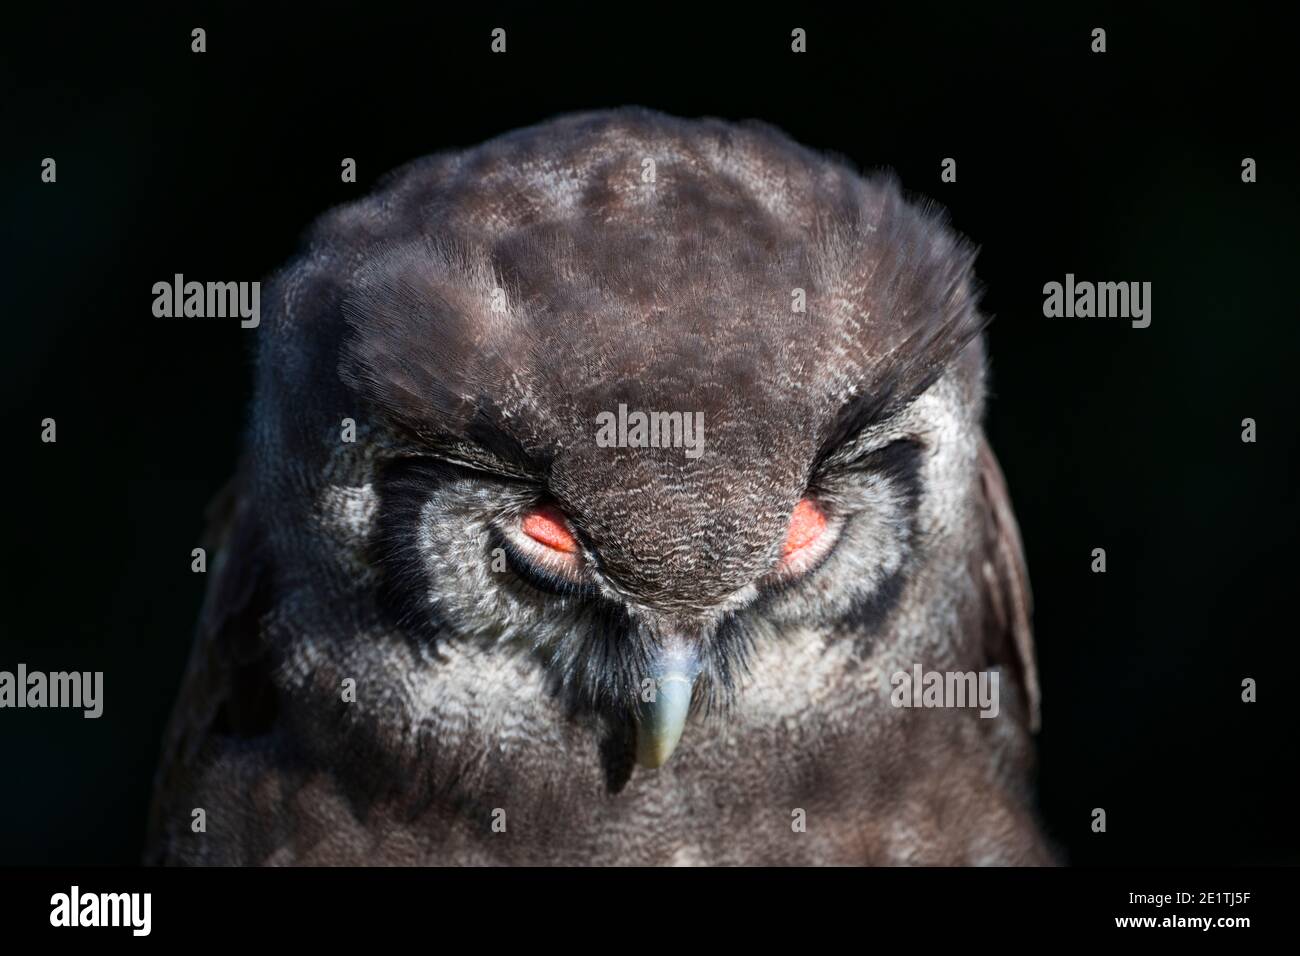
(665, 704)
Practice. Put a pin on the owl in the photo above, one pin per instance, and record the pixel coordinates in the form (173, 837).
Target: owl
(614, 492)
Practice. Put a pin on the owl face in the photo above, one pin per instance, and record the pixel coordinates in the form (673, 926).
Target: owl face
(687, 590)
(491, 311)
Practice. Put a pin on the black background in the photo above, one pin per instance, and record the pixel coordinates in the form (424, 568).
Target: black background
(1120, 167)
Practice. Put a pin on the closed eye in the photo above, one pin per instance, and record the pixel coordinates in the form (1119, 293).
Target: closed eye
(541, 545)
(809, 538)
(547, 525)
(807, 524)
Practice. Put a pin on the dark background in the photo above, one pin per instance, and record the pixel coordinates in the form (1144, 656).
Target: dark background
(1120, 167)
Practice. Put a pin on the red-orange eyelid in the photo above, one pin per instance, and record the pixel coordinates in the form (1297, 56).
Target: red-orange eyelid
(806, 525)
(546, 525)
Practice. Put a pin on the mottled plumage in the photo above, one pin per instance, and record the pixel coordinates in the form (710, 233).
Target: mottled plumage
(474, 316)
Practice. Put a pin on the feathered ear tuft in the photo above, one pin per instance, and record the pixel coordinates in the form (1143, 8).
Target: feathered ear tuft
(905, 280)
(432, 338)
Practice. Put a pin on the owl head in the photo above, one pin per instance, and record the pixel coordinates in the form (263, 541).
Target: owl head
(631, 395)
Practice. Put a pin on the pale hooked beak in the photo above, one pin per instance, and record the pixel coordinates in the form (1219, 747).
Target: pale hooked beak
(674, 667)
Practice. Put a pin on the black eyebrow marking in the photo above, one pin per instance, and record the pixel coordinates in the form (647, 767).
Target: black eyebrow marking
(470, 455)
(897, 460)
(486, 447)
(924, 357)
(858, 414)
(473, 458)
